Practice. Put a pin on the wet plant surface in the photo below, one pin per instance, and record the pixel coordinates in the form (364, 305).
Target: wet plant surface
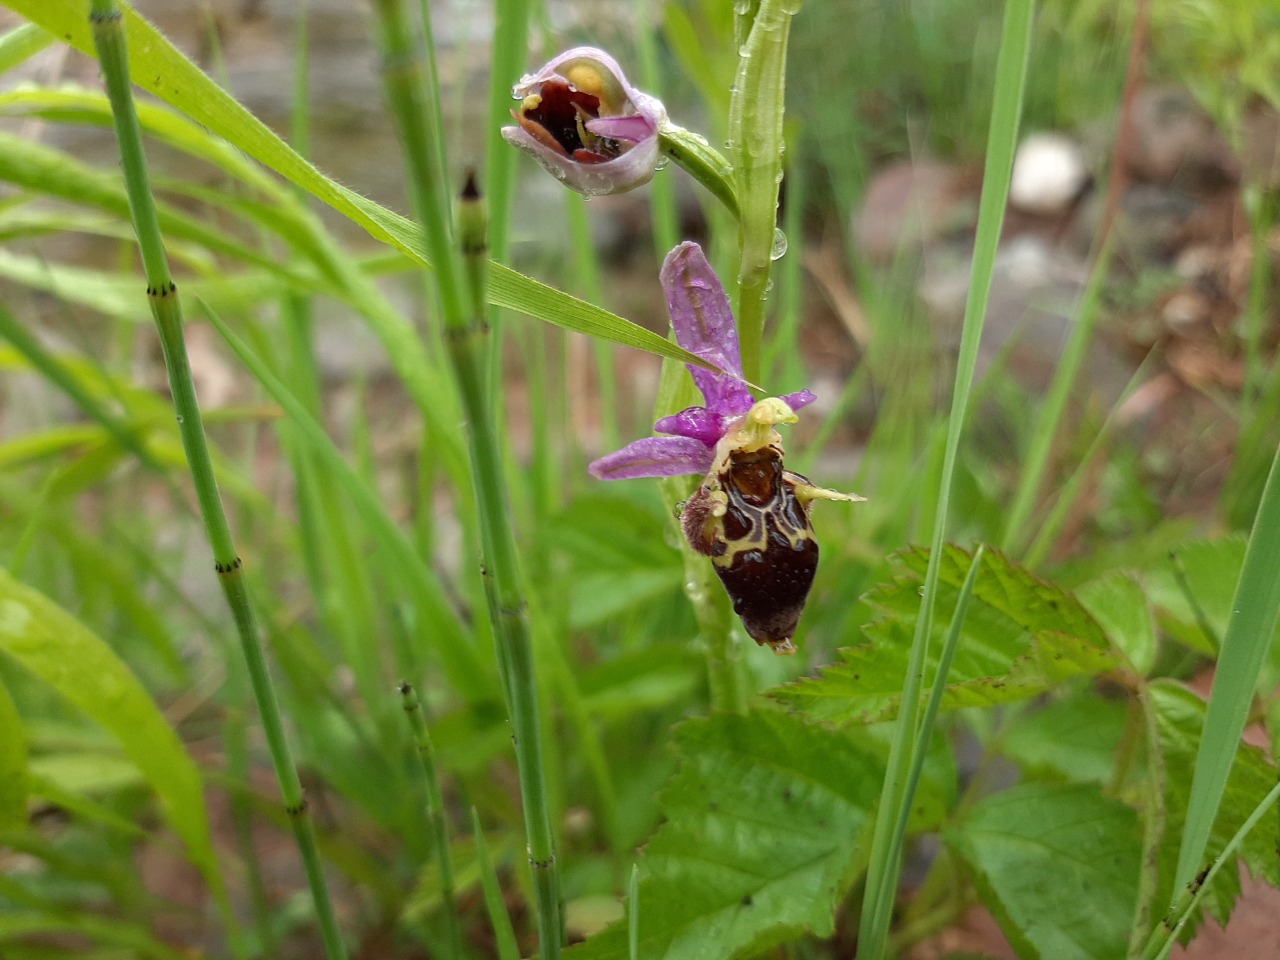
(1111, 462)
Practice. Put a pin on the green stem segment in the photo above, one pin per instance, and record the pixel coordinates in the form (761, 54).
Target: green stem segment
(408, 88)
(435, 814)
(109, 37)
(757, 145)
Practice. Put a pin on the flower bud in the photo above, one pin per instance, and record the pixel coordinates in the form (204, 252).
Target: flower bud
(586, 125)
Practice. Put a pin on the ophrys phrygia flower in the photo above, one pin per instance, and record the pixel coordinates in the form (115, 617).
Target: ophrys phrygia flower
(750, 514)
(585, 124)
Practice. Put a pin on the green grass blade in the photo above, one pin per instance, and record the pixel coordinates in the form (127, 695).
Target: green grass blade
(1045, 431)
(13, 765)
(456, 652)
(494, 901)
(1011, 68)
(1249, 636)
(60, 650)
(755, 135)
(1165, 935)
(21, 44)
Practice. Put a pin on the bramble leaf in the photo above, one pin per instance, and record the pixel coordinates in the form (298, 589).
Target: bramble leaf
(1057, 865)
(1179, 716)
(763, 819)
(1022, 637)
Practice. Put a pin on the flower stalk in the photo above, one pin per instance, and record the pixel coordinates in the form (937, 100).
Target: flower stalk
(409, 86)
(166, 309)
(757, 146)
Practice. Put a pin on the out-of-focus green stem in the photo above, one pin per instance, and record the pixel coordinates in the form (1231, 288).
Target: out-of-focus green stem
(435, 814)
(510, 47)
(165, 308)
(408, 88)
(757, 145)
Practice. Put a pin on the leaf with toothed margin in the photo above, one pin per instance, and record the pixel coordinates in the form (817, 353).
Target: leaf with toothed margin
(763, 821)
(1022, 636)
(1058, 866)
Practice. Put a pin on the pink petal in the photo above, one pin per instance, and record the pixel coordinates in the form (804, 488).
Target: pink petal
(631, 129)
(653, 457)
(632, 169)
(704, 324)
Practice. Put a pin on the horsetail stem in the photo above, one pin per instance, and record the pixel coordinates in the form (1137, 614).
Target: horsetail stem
(410, 85)
(166, 309)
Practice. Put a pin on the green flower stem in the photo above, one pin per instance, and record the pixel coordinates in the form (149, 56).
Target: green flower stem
(755, 135)
(167, 312)
(408, 87)
(507, 62)
(435, 814)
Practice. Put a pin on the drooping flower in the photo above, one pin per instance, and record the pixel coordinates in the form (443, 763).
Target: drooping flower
(750, 515)
(586, 125)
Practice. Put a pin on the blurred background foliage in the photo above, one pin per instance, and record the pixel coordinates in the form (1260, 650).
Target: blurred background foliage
(1158, 453)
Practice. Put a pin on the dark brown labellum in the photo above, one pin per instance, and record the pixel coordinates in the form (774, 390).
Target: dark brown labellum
(749, 521)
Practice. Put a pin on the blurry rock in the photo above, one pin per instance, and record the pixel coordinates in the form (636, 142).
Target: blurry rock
(1035, 295)
(1260, 151)
(1154, 221)
(1185, 308)
(1049, 173)
(909, 204)
(1173, 141)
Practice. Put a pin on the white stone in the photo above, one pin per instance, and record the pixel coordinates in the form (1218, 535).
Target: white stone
(1048, 173)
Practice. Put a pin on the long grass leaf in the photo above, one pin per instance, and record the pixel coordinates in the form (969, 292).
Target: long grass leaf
(64, 653)
(884, 867)
(1250, 633)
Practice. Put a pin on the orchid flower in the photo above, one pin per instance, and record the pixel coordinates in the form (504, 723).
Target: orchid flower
(586, 125)
(749, 514)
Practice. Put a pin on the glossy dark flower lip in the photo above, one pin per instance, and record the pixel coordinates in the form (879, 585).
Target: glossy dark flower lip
(586, 125)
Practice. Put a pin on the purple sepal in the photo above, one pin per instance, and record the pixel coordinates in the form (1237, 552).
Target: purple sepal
(654, 457)
(704, 324)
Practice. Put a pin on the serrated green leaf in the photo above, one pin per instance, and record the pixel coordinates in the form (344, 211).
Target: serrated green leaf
(13, 764)
(1057, 865)
(1073, 738)
(1179, 716)
(64, 653)
(1117, 602)
(1022, 636)
(763, 819)
(157, 66)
